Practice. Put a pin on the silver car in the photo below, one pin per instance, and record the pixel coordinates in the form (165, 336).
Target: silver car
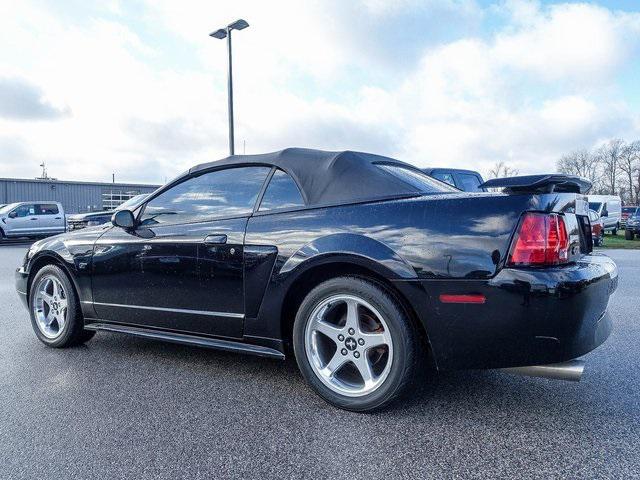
(31, 219)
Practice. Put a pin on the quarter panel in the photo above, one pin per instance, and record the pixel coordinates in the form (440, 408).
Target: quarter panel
(448, 237)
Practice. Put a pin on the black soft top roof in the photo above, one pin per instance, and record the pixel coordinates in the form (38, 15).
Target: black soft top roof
(328, 177)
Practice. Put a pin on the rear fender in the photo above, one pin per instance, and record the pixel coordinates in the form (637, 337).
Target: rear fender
(359, 249)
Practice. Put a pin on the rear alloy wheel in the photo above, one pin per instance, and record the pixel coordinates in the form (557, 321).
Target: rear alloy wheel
(55, 312)
(354, 344)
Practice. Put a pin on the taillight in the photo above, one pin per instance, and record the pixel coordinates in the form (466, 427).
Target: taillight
(541, 239)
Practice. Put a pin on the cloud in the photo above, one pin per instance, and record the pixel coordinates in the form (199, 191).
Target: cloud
(21, 100)
(434, 82)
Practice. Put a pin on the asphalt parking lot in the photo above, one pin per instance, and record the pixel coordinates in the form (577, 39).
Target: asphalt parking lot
(122, 407)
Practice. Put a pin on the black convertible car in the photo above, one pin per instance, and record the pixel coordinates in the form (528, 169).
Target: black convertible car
(353, 262)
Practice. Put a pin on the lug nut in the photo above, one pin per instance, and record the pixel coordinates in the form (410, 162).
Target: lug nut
(341, 337)
(356, 354)
(361, 341)
(351, 331)
(343, 351)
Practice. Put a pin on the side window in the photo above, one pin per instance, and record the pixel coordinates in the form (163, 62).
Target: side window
(47, 209)
(223, 193)
(444, 177)
(282, 192)
(469, 182)
(25, 210)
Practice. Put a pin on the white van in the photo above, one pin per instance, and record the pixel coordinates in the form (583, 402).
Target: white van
(31, 219)
(609, 207)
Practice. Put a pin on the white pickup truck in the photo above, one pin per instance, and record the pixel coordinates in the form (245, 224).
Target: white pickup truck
(31, 219)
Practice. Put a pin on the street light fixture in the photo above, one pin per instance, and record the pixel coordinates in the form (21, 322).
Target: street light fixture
(221, 34)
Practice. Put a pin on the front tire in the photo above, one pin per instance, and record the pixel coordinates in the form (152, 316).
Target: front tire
(55, 311)
(354, 344)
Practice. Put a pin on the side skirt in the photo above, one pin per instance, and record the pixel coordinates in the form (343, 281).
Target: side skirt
(184, 339)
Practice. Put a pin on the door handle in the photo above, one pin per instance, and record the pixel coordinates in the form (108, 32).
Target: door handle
(34, 219)
(58, 218)
(215, 239)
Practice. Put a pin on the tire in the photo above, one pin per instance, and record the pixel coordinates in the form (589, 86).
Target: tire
(391, 366)
(53, 324)
(614, 232)
(628, 235)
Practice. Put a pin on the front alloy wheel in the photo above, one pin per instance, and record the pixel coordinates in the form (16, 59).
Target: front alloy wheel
(50, 306)
(354, 344)
(55, 311)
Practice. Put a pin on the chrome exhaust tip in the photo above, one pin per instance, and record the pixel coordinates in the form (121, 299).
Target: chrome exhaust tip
(570, 371)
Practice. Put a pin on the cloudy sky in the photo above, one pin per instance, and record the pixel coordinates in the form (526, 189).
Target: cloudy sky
(139, 89)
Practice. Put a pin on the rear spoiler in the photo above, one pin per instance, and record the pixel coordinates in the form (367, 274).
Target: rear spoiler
(546, 183)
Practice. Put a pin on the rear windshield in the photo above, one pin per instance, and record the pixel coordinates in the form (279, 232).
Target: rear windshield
(418, 180)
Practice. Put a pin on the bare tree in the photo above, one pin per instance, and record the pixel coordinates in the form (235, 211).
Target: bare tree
(582, 163)
(609, 156)
(630, 165)
(501, 170)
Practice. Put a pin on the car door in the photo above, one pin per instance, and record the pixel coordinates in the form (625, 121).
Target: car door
(22, 220)
(181, 268)
(50, 219)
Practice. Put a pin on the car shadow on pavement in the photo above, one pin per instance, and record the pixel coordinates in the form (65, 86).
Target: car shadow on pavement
(479, 392)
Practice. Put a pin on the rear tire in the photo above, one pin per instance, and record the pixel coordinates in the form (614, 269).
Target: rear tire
(354, 344)
(628, 235)
(54, 309)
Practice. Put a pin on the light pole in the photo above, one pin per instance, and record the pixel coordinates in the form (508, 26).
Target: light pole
(220, 34)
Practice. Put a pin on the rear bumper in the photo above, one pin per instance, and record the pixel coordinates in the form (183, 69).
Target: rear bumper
(530, 317)
(21, 279)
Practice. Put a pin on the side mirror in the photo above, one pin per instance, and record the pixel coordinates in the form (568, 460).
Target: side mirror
(123, 219)
(604, 213)
(13, 214)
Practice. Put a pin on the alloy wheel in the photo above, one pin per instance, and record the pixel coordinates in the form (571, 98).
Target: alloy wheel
(50, 307)
(348, 344)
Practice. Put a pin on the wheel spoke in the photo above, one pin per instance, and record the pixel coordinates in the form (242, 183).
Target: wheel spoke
(61, 321)
(46, 298)
(54, 287)
(364, 369)
(328, 330)
(372, 340)
(337, 361)
(352, 315)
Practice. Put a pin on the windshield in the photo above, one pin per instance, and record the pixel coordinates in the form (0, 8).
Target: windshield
(8, 208)
(133, 202)
(595, 206)
(630, 210)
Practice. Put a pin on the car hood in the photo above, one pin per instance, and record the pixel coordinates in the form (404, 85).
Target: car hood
(88, 216)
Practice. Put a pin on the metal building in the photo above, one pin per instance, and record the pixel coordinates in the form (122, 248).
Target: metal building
(75, 197)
